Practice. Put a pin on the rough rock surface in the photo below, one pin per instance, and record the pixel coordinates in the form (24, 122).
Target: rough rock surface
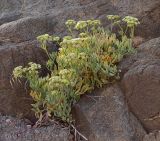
(15, 100)
(141, 83)
(104, 116)
(12, 129)
(152, 137)
(147, 11)
(26, 29)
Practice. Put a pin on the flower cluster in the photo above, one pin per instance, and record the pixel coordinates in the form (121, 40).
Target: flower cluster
(56, 39)
(113, 17)
(76, 42)
(20, 71)
(34, 66)
(42, 38)
(83, 35)
(131, 21)
(81, 25)
(67, 38)
(94, 22)
(70, 23)
(57, 81)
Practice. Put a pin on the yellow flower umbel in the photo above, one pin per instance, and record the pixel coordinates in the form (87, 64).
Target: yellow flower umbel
(81, 25)
(131, 21)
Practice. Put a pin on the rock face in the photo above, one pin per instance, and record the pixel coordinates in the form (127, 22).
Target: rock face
(141, 83)
(15, 100)
(104, 116)
(12, 129)
(147, 11)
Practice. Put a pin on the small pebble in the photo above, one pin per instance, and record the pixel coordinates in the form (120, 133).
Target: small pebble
(29, 126)
(8, 120)
(37, 132)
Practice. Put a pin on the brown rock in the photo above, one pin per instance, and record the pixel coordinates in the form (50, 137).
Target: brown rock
(104, 116)
(137, 41)
(15, 100)
(141, 84)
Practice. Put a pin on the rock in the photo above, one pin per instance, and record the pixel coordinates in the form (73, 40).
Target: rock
(146, 51)
(141, 82)
(9, 11)
(103, 116)
(17, 130)
(15, 100)
(60, 11)
(137, 41)
(152, 136)
(26, 29)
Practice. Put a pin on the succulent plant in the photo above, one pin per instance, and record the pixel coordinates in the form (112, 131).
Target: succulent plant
(85, 60)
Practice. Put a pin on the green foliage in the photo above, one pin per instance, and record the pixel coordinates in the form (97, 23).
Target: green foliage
(87, 58)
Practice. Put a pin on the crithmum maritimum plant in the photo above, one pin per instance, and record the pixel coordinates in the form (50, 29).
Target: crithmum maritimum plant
(87, 58)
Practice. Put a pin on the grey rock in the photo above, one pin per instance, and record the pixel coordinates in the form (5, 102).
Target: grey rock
(103, 116)
(155, 136)
(17, 130)
(59, 10)
(9, 11)
(26, 29)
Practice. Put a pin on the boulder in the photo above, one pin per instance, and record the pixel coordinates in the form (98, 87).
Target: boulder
(141, 81)
(15, 100)
(103, 116)
(26, 29)
(14, 129)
